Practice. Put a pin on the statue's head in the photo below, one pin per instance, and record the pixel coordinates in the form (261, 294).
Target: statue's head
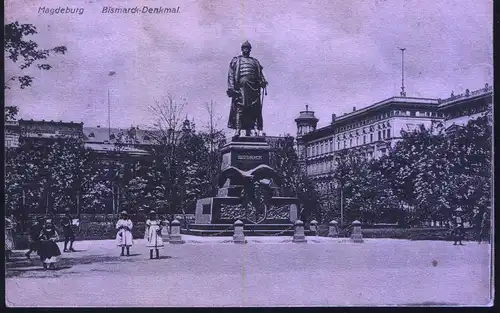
(246, 47)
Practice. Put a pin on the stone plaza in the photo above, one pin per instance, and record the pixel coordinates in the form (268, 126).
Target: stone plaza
(267, 271)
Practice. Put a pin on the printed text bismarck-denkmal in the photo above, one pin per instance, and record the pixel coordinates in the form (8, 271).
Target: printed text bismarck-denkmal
(139, 10)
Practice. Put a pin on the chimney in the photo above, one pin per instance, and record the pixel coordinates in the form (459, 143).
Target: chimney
(334, 116)
(353, 109)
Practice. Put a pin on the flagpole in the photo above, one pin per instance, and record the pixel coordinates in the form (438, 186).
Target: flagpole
(403, 93)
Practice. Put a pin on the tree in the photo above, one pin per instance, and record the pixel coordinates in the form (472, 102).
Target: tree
(214, 139)
(164, 175)
(25, 52)
(294, 180)
(70, 170)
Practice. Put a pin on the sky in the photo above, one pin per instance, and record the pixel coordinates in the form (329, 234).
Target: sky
(329, 54)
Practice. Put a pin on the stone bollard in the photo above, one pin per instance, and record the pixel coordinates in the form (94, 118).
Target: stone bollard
(175, 232)
(165, 235)
(238, 236)
(356, 235)
(333, 230)
(298, 235)
(314, 227)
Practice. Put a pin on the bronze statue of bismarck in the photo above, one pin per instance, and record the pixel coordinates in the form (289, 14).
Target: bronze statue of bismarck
(245, 82)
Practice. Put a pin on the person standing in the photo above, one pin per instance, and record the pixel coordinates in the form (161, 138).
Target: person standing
(48, 249)
(124, 234)
(34, 237)
(69, 234)
(153, 232)
(485, 228)
(459, 227)
(476, 222)
(10, 226)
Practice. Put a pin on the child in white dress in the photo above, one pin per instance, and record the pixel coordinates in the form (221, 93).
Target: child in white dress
(124, 234)
(154, 239)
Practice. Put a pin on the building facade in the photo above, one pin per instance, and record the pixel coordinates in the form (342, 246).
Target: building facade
(11, 134)
(460, 109)
(372, 130)
(369, 131)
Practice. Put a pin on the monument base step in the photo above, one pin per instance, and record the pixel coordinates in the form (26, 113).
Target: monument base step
(255, 231)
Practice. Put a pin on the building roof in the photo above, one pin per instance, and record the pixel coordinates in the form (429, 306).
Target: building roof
(412, 101)
(398, 100)
(307, 116)
(487, 91)
(108, 147)
(21, 121)
(133, 135)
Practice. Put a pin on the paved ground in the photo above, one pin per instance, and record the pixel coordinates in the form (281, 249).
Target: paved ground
(268, 271)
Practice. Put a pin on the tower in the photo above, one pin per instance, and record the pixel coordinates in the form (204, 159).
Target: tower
(306, 123)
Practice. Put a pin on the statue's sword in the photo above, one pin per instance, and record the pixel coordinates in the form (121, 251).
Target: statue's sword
(264, 93)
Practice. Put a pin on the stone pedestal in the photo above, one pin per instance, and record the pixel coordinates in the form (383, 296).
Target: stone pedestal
(165, 235)
(314, 227)
(333, 230)
(238, 236)
(243, 160)
(298, 235)
(356, 235)
(175, 233)
(245, 153)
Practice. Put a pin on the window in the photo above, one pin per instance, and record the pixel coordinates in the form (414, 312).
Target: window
(371, 137)
(350, 143)
(345, 144)
(357, 141)
(331, 145)
(364, 139)
(388, 133)
(338, 145)
(412, 113)
(379, 135)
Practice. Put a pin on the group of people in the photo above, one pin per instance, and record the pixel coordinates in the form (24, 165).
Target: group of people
(42, 239)
(480, 223)
(152, 234)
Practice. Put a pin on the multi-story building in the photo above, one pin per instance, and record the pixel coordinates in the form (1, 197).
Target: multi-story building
(43, 132)
(459, 109)
(102, 140)
(370, 131)
(11, 135)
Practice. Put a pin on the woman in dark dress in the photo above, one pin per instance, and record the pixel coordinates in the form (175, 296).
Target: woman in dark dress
(34, 238)
(48, 249)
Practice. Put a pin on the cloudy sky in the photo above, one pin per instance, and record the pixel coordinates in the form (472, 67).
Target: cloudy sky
(331, 55)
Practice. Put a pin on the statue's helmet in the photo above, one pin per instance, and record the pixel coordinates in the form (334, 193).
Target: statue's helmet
(246, 44)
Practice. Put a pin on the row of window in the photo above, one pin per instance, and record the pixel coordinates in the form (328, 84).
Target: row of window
(387, 115)
(465, 112)
(328, 146)
(329, 166)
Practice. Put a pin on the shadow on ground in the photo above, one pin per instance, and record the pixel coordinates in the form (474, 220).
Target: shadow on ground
(19, 265)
